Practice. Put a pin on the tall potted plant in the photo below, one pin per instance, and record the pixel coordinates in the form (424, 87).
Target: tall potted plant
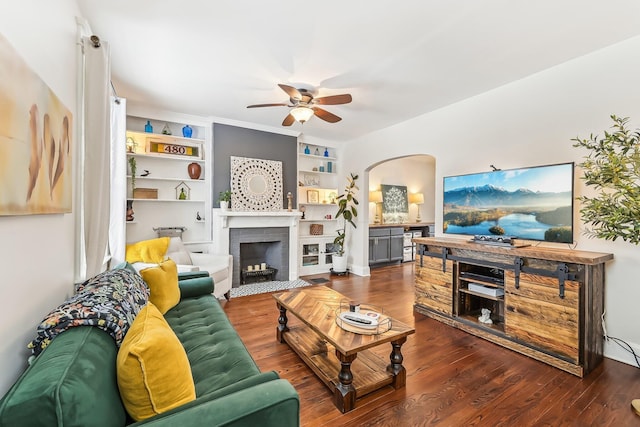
(347, 211)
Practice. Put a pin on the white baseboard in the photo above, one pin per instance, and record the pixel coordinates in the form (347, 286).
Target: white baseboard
(616, 352)
(360, 270)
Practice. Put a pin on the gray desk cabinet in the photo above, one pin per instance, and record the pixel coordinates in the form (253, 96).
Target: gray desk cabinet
(386, 244)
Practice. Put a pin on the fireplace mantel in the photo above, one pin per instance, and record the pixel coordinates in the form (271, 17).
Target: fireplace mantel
(223, 220)
(252, 216)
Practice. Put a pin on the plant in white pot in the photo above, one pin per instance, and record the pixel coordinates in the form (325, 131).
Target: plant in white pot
(347, 211)
(225, 199)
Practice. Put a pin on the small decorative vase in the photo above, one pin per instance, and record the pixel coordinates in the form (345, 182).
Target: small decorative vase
(306, 150)
(194, 170)
(148, 128)
(187, 131)
(326, 152)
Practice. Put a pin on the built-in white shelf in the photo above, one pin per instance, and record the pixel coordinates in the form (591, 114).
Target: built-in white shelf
(168, 200)
(149, 178)
(318, 157)
(162, 136)
(166, 157)
(318, 172)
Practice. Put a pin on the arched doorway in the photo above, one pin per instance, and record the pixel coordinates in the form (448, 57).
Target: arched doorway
(416, 173)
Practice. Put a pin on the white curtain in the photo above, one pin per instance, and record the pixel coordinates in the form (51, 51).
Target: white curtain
(117, 223)
(94, 170)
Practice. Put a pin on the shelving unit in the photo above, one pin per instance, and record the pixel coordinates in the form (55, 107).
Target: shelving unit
(165, 159)
(317, 192)
(317, 250)
(476, 285)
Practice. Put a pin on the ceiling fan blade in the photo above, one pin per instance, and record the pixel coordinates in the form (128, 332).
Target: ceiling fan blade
(325, 115)
(291, 91)
(333, 99)
(288, 121)
(267, 105)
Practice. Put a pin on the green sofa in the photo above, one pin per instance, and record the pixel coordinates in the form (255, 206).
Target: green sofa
(73, 382)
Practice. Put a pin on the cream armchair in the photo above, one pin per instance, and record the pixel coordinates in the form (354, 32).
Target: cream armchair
(219, 266)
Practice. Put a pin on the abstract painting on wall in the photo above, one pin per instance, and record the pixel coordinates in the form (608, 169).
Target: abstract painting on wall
(395, 204)
(35, 141)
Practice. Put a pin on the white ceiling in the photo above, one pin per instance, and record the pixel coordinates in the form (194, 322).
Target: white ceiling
(398, 59)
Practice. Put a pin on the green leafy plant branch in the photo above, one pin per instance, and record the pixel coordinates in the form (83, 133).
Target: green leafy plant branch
(347, 210)
(612, 168)
(133, 165)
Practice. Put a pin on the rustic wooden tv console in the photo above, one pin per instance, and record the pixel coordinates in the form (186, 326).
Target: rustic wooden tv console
(545, 303)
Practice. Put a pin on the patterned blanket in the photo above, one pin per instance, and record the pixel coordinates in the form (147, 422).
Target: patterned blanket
(109, 301)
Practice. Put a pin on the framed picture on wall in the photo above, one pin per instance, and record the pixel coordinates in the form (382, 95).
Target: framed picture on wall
(313, 196)
(395, 204)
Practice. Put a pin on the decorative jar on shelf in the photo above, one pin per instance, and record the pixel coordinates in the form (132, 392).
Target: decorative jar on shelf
(148, 128)
(306, 150)
(194, 170)
(187, 131)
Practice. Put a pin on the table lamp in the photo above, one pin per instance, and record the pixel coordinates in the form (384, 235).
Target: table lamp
(417, 199)
(376, 197)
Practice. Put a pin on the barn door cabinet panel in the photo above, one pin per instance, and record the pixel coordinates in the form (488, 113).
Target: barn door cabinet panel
(544, 303)
(434, 284)
(539, 316)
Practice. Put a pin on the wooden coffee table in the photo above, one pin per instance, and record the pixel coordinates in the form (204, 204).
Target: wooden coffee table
(331, 351)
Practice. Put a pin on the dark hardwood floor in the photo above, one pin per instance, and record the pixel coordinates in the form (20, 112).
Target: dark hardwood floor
(453, 378)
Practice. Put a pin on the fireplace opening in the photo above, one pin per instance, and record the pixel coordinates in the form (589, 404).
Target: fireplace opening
(259, 261)
(256, 246)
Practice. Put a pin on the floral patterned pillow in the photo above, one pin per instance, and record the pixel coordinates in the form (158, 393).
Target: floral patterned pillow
(109, 301)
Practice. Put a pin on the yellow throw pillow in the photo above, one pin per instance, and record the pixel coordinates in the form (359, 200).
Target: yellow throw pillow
(163, 284)
(153, 250)
(154, 375)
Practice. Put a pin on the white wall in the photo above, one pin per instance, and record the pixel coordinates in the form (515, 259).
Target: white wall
(526, 123)
(37, 251)
(417, 173)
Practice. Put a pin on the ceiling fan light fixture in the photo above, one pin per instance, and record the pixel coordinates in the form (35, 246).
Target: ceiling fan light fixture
(302, 114)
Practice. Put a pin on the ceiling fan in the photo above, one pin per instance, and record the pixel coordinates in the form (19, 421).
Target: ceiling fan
(303, 105)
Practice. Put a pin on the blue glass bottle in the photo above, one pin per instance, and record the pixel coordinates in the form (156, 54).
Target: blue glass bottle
(148, 128)
(187, 131)
(306, 150)
(326, 152)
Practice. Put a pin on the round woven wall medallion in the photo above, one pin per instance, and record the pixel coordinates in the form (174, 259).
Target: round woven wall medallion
(256, 184)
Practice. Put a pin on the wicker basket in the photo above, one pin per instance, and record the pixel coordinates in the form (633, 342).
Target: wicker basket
(315, 229)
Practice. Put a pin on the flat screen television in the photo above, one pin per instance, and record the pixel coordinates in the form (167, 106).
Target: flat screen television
(532, 203)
